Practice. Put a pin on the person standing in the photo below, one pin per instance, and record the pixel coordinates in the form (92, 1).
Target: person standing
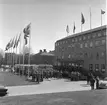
(97, 82)
(92, 81)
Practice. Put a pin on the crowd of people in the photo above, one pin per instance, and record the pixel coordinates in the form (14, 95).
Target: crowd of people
(39, 75)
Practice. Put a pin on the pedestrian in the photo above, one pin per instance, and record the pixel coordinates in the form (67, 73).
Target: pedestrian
(88, 79)
(97, 82)
(92, 81)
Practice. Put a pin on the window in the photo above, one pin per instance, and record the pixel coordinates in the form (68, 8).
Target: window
(89, 36)
(85, 55)
(81, 45)
(84, 37)
(91, 44)
(99, 34)
(80, 38)
(94, 35)
(75, 39)
(102, 54)
(91, 67)
(96, 67)
(97, 43)
(69, 56)
(62, 57)
(72, 40)
(97, 56)
(86, 45)
(103, 41)
(103, 67)
(55, 44)
(63, 42)
(104, 32)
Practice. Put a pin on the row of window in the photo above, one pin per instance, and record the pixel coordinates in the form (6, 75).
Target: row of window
(82, 37)
(84, 55)
(97, 67)
(85, 45)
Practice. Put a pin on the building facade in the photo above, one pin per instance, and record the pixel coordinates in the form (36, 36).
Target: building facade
(43, 57)
(85, 50)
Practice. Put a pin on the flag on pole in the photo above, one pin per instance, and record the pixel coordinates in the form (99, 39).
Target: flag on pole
(15, 42)
(67, 29)
(102, 12)
(74, 28)
(18, 40)
(82, 19)
(8, 45)
(26, 32)
(12, 43)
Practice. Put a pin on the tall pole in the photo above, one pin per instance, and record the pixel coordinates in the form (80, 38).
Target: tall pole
(101, 19)
(23, 56)
(19, 52)
(81, 26)
(13, 58)
(90, 17)
(29, 51)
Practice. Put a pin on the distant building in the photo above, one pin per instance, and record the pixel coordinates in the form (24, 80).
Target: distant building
(86, 49)
(43, 57)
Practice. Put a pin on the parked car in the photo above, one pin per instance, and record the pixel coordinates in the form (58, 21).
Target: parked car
(103, 83)
(3, 90)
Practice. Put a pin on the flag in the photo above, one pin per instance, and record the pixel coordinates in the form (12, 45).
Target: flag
(74, 28)
(102, 12)
(82, 19)
(15, 42)
(26, 32)
(18, 40)
(12, 43)
(67, 29)
(8, 45)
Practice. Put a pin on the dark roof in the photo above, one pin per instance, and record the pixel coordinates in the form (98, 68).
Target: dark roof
(84, 32)
(46, 54)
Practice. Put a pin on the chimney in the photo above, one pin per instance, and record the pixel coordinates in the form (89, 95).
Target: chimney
(44, 50)
(40, 51)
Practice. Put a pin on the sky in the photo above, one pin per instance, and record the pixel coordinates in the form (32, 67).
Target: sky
(48, 18)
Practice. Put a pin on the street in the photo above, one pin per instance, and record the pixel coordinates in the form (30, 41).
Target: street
(95, 97)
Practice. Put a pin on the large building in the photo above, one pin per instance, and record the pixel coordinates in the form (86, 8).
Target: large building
(86, 50)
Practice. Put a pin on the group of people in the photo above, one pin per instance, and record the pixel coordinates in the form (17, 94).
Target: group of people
(91, 79)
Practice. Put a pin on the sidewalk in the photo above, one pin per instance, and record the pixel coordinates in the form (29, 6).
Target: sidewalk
(52, 86)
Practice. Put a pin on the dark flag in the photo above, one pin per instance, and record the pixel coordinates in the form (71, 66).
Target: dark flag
(26, 32)
(102, 12)
(67, 29)
(18, 40)
(15, 42)
(7, 46)
(74, 28)
(12, 43)
(82, 19)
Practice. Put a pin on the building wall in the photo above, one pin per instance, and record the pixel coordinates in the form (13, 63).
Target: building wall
(86, 49)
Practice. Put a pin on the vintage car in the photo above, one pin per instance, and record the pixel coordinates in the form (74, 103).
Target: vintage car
(103, 83)
(3, 90)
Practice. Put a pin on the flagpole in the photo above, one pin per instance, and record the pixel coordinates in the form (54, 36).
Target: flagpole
(19, 53)
(81, 26)
(101, 19)
(29, 51)
(23, 56)
(13, 58)
(90, 17)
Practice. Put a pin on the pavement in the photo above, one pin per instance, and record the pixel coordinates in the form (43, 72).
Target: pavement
(48, 86)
